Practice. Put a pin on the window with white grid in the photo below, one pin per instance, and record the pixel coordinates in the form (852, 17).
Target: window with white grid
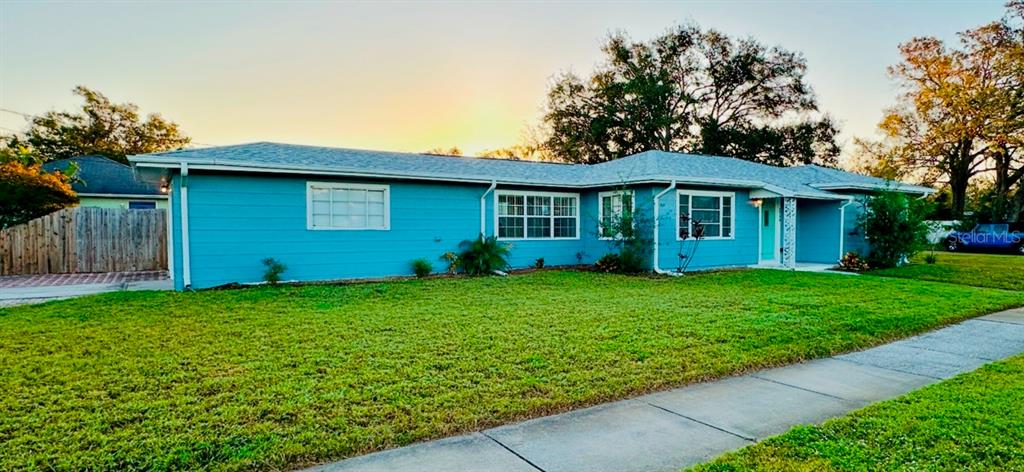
(537, 215)
(344, 206)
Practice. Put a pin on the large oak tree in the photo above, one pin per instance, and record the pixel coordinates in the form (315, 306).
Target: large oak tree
(690, 90)
(115, 130)
(960, 114)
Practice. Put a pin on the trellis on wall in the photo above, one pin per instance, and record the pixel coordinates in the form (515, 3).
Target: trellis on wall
(789, 233)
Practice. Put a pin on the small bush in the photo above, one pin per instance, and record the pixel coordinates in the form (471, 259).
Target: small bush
(610, 262)
(930, 258)
(539, 263)
(483, 256)
(422, 267)
(852, 262)
(274, 269)
(452, 260)
(632, 258)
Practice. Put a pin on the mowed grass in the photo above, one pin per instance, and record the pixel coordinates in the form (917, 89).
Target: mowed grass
(971, 422)
(281, 377)
(980, 270)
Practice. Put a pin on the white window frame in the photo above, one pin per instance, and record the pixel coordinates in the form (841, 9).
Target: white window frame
(600, 210)
(310, 185)
(707, 193)
(524, 194)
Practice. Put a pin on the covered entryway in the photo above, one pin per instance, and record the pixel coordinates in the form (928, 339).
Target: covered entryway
(776, 233)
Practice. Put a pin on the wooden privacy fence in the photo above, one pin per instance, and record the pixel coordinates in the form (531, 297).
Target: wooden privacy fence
(84, 239)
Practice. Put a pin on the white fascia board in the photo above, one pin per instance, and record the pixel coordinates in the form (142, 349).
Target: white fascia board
(901, 187)
(124, 195)
(213, 165)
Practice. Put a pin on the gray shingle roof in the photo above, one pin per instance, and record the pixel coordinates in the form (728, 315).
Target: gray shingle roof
(650, 166)
(100, 175)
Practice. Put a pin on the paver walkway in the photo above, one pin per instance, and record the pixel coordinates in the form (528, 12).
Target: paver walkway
(25, 289)
(670, 430)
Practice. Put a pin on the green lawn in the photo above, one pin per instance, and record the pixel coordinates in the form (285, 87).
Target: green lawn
(972, 422)
(981, 270)
(269, 378)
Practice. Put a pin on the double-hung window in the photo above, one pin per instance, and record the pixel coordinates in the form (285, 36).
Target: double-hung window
(616, 209)
(333, 205)
(537, 215)
(714, 212)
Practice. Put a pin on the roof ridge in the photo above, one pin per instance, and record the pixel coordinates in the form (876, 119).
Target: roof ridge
(405, 153)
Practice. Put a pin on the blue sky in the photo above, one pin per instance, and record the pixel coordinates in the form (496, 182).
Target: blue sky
(413, 75)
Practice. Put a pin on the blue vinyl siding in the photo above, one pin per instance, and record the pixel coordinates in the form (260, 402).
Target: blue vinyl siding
(817, 231)
(175, 230)
(236, 220)
(741, 250)
(854, 235)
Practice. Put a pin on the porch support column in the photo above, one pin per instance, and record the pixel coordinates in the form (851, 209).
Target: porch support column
(789, 233)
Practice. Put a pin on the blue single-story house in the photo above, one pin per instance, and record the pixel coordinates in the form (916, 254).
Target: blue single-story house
(331, 213)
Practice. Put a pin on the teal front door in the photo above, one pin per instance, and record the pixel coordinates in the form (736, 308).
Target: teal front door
(769, 224)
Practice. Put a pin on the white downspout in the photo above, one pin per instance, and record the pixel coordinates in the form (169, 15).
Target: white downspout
(842, 228)
(657, 199)
(186, 266)
(483, 208)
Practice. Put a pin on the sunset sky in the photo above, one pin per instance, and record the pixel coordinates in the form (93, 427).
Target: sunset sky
(410, 76)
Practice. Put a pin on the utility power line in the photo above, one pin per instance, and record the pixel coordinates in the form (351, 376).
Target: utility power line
(8, 110)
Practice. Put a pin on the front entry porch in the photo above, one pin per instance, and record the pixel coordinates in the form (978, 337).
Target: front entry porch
(810, 239)
(803, 267)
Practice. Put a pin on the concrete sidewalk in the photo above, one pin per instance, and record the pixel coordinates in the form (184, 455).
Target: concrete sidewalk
(23, 290)
(670, 430)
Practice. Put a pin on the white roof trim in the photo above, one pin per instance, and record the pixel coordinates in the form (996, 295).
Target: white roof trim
(123, 195)
(241, 166)
(867, 186)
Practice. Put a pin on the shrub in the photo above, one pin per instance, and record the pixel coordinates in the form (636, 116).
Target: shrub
(422, 267)
(610, 262)
(633, 248)
(930, 258)
(483, 256)
(852, 262)
(274, 269)
(28, 192)
(895, 227)
(452, 260)
(633, 257)
(539, 263)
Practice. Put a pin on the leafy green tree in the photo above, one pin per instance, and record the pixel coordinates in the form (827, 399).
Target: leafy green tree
(27, 191)
(690, 90)
(100, 127)
(895, 227)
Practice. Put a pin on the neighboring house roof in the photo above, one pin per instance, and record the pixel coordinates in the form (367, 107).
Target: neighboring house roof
(646, 167)
(98, 175)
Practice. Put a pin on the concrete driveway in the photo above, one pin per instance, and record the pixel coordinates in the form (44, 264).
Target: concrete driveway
(26, 289)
